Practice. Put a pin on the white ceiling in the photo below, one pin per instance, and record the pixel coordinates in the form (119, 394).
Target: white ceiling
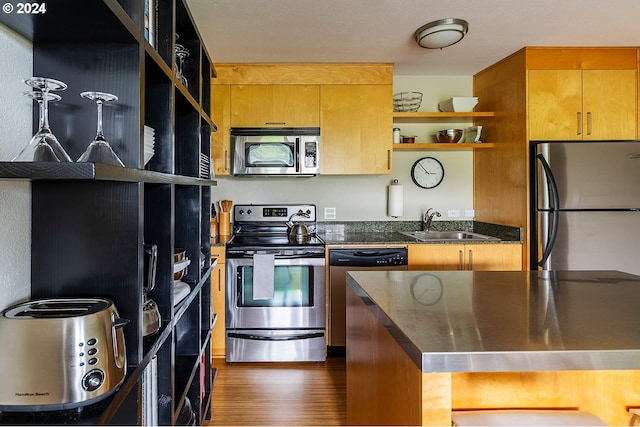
(250, 31)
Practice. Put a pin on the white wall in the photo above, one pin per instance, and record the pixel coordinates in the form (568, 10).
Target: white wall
(15, 197)
(365, 197)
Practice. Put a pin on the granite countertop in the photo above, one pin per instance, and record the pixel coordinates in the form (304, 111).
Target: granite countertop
(394, 238)
(366, 238)
(498, 321)
(390, 233)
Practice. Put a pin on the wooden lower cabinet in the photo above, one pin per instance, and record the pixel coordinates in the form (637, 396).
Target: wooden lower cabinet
(218, 348)
(499, 256)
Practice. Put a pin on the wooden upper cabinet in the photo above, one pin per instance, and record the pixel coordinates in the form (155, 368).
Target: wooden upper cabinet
(582, 104)
(220, 140)
(356, 129)
(275, 106)
(350, 103)
(555, 100)
(609, 99)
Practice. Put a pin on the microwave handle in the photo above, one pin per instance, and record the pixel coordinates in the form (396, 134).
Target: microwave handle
(297, 154)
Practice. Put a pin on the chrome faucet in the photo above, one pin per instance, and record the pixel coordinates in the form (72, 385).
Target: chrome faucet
(428, 219)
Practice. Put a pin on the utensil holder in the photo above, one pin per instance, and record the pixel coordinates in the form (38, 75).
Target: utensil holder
(224, 225)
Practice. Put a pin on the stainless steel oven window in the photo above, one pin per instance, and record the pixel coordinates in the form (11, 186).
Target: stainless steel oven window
(293, 287)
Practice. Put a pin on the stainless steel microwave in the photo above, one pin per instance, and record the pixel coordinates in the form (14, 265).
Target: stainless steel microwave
(275, 151)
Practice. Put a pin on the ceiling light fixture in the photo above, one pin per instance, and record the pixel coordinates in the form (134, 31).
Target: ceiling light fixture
(442, 33)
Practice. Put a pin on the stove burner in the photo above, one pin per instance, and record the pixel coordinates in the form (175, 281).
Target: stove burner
(273, 240)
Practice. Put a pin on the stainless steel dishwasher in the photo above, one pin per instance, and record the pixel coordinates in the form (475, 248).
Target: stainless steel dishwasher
(354, 259)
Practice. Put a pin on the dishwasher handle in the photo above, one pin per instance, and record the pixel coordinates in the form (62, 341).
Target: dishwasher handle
(367, 253)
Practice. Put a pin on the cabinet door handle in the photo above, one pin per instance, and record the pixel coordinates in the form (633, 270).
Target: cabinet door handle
(219, 280)
(589, 123)
(389, 159)
(579, 123)
(461, 260)
(275, 123)
(470, 259)
(226, 160)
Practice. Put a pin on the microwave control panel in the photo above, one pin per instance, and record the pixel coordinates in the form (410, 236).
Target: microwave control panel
(310, 154)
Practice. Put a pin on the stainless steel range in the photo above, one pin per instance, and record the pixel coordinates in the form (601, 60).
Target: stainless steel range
(275, 299)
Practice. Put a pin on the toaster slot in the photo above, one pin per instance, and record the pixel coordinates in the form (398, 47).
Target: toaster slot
(48, 309)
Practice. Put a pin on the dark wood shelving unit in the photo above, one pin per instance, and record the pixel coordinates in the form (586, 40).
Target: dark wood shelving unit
(90, 221)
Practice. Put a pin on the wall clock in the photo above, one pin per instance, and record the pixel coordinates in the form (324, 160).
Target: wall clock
(427, 172)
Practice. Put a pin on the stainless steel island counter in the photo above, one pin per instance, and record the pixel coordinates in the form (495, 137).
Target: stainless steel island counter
(448, 340)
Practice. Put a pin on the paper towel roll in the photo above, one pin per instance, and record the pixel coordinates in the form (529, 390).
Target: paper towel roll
(395, 201)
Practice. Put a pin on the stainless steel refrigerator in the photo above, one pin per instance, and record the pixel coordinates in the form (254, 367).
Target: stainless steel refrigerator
(585, 207)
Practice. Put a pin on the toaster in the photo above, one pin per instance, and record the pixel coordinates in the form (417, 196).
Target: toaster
(60, 353)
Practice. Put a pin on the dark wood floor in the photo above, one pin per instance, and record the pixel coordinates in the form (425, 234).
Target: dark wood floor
(304, 394)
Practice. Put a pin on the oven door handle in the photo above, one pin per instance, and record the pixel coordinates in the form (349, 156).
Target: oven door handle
(275, 338)
(284, 260)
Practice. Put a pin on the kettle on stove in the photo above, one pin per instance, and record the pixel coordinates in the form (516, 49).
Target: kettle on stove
(298, 231)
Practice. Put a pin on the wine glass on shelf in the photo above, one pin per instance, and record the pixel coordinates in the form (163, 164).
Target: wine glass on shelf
(99, 151)
(43, 146)
(181, 54)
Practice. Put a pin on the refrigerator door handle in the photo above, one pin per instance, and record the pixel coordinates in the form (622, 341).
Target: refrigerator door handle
(553, 208)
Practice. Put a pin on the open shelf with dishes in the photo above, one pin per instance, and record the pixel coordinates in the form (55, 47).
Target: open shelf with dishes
(92, 221)
(421, 117)
(441, 146)
(436, 116)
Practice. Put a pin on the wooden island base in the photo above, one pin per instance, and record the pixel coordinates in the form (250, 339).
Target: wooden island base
(385, 387)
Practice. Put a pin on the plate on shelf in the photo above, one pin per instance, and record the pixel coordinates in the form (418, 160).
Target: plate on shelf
(149, 143)
(180, 291)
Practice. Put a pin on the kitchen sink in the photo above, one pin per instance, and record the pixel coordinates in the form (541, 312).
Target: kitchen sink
(446, 235)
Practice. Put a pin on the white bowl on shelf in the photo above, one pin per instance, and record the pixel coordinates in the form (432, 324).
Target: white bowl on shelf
(180, 291)
(458, 104)
(473, 134)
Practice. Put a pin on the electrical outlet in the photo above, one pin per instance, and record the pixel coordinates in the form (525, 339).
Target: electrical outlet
(329, 213)
(453, 213)
(469, 213)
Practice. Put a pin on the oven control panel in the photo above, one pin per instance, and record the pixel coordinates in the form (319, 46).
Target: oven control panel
(274, 213)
